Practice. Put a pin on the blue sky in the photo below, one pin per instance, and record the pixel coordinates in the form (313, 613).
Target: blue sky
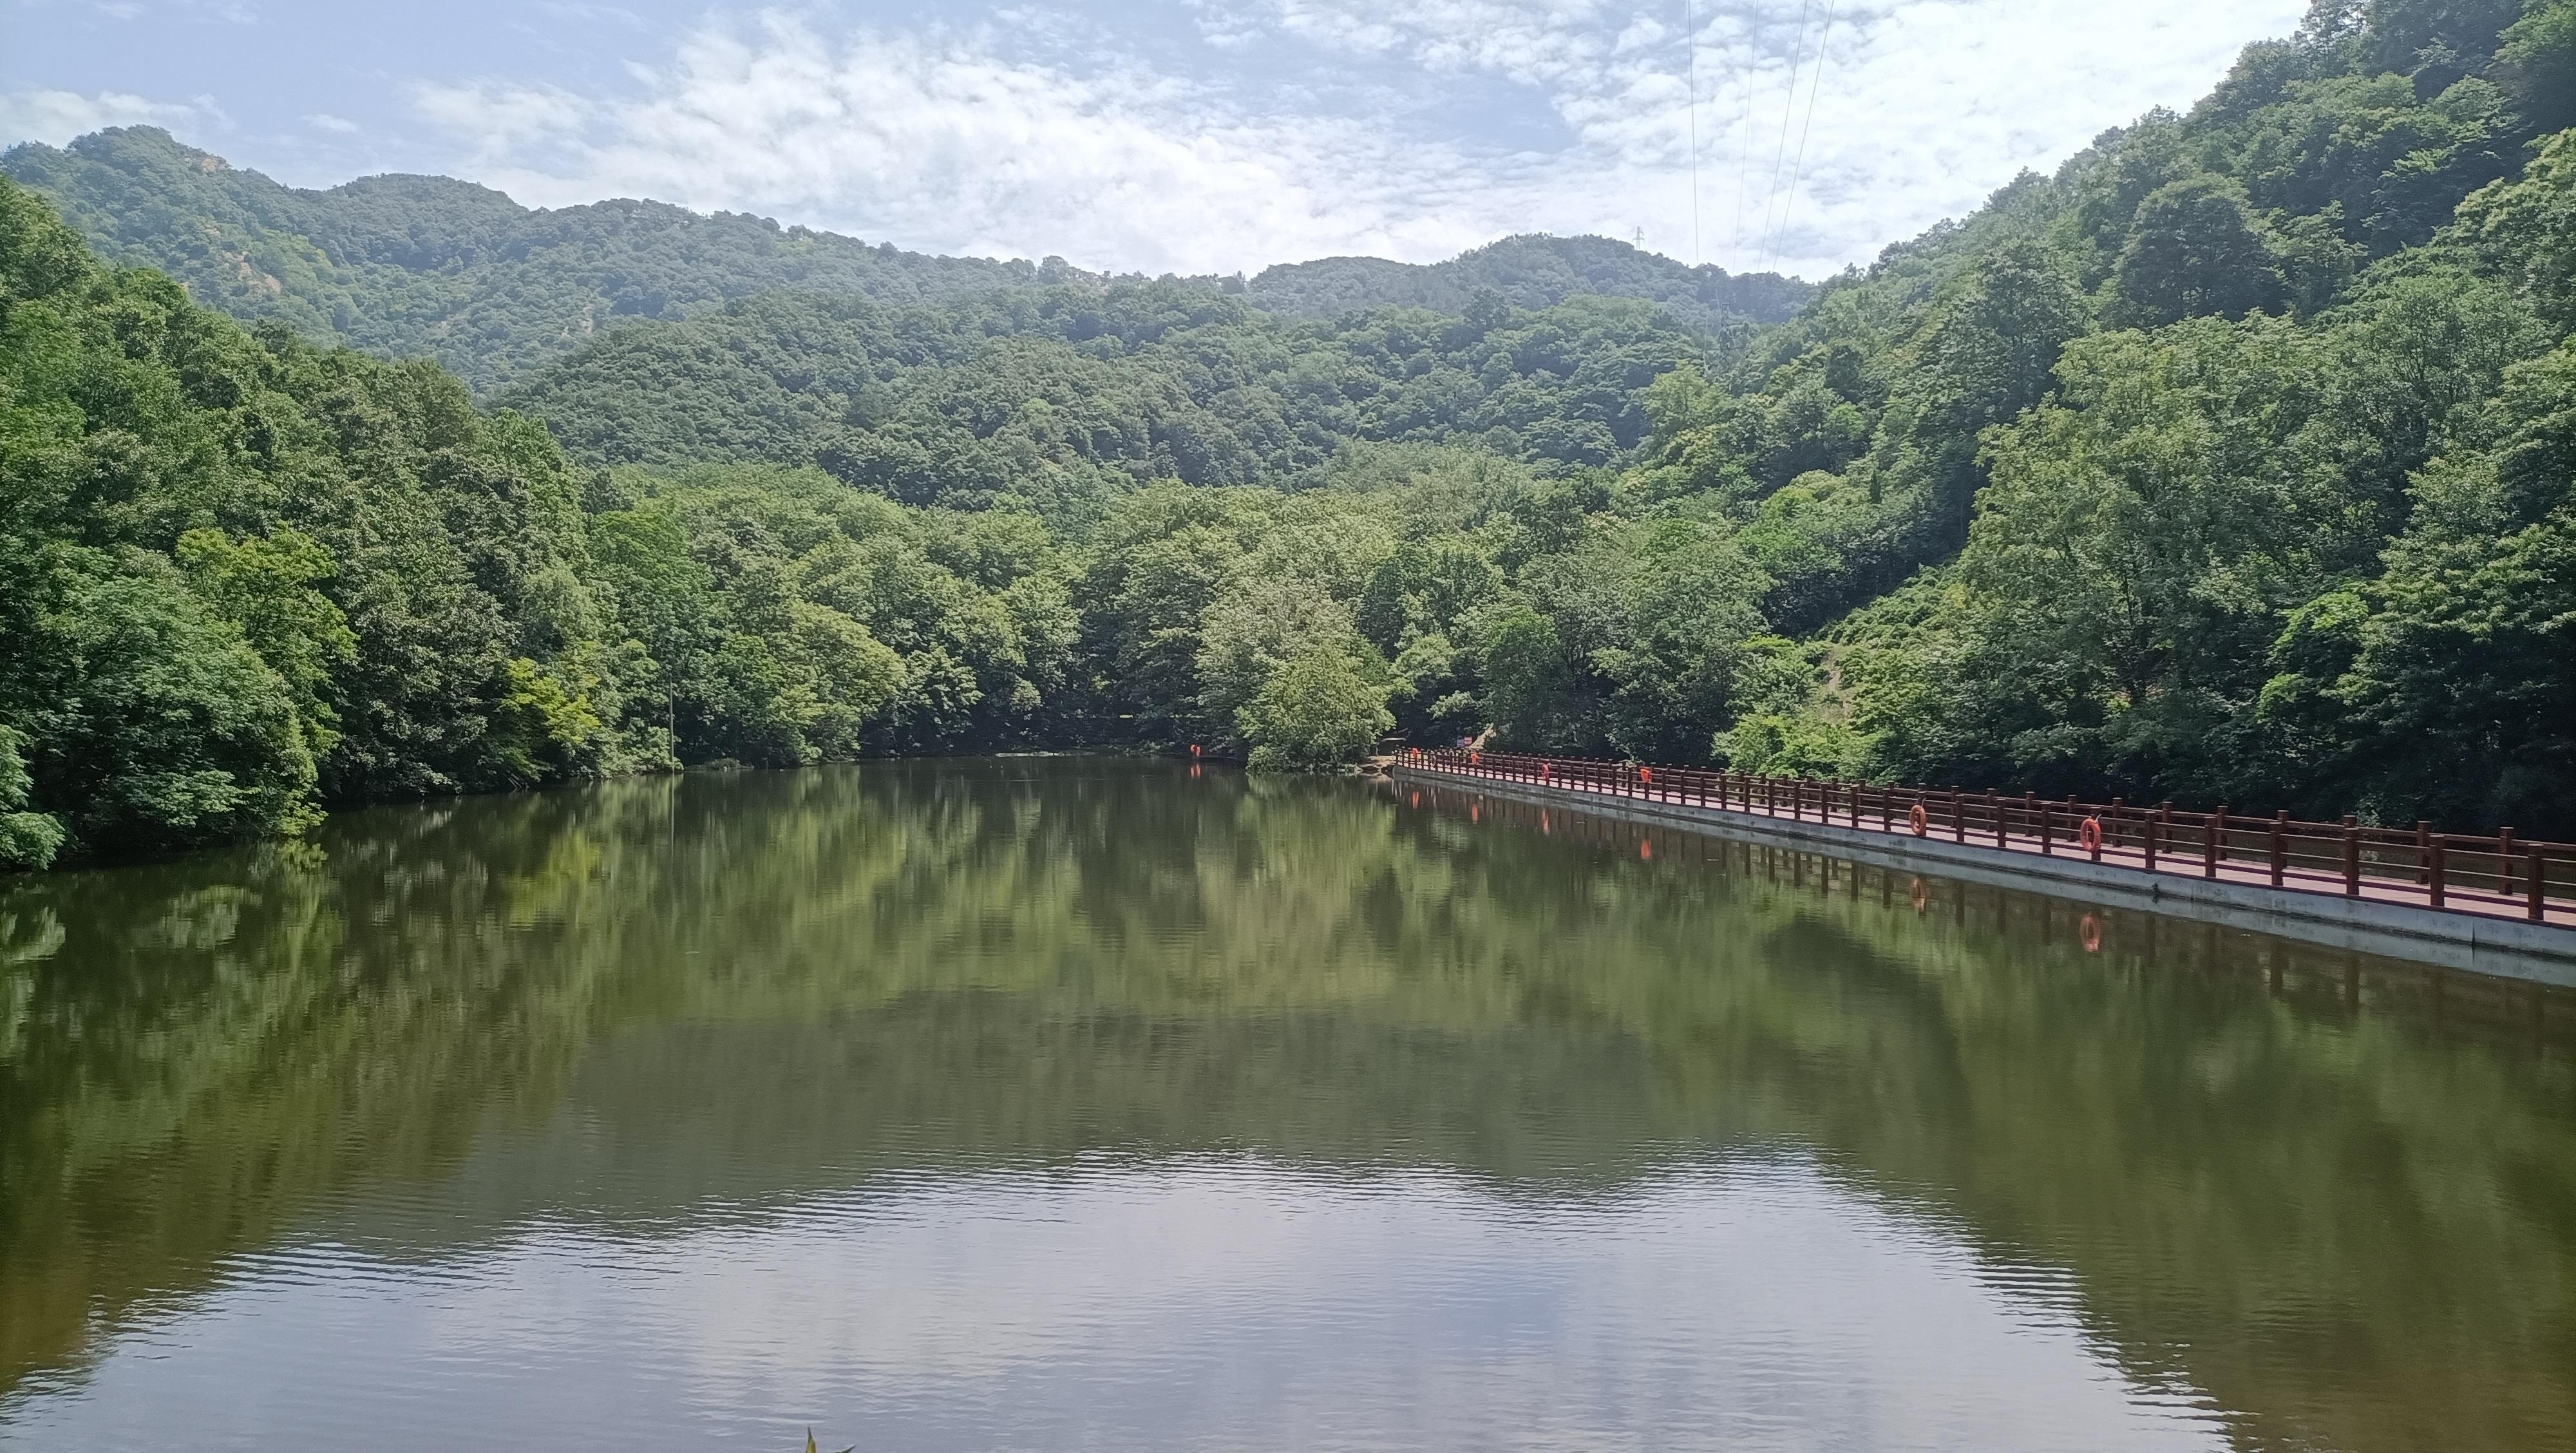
(1198, 136)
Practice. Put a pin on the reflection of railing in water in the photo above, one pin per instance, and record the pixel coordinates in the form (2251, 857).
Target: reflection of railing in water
(2496, 877)
(2325, 979)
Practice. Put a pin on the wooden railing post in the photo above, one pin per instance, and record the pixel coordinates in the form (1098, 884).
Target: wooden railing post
(2351, 858)
(2538, 872)
(2047, 829)
(2433, 854)
(2217, 847)
(2423, 851)
(1958, 816)
(1995, 804)
(2280, 846)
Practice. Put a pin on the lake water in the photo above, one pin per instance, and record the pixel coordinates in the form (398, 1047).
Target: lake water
(1051, 1103)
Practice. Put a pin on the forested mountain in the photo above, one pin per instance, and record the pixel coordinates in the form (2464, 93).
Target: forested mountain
(2234, 462)
(2229, 464)
(1532, 271)
(1054, 398)
(414, 266)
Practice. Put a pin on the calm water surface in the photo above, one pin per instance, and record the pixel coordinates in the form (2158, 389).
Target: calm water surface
(1066, 1104)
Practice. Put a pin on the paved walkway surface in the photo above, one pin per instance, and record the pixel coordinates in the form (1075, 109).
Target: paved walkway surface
(2184, 864)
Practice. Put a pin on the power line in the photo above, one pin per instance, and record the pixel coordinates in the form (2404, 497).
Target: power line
(1788, 108)
(1743, 158)
(1690, 67)
(1798, 169)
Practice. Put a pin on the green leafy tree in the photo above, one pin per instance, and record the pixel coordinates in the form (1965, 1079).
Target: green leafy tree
(2194, 248)
(2444, 687)
(27, 839)
(2536, 63)
(160, 728)
(1533, 693)
(1322, 708)
(264, 585)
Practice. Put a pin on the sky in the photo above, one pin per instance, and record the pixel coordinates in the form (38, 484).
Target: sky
(1198, 136)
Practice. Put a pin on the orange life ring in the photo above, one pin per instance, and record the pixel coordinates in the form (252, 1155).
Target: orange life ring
(1646, 775)
(1917, 819)
(2090, 931)
(1475, 759)
(2090, 836)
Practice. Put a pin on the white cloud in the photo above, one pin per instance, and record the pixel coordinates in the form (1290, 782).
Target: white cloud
(1918, 109)
(943, 142)
(593, 14)
(1043, 135)
(58, 116)
(325, 121)
(500, 120)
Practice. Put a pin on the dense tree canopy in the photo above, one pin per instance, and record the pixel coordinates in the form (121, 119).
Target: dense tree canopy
(1533, 272)
(2308, 561)
(1055, 399)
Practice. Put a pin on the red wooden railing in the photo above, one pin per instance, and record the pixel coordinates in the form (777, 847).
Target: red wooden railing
(2498, 876)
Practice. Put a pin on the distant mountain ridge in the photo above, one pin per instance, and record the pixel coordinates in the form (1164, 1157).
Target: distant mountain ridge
(404, 265)
(1532, 270)
(413, 265)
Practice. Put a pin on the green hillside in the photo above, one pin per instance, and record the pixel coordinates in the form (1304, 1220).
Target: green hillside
(1056, 398)
(1531, 271)
(414, 266)
(2228, 464)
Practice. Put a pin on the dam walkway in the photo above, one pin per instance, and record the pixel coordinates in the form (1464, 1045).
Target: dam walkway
(2398, 890)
